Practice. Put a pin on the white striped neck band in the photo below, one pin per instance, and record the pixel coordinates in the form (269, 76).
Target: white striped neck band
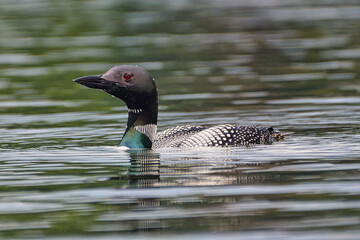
(135, 110)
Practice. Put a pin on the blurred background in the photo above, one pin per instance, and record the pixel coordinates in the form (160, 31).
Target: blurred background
(290, 64)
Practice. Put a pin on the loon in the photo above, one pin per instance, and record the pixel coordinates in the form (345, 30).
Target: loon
(136, 87)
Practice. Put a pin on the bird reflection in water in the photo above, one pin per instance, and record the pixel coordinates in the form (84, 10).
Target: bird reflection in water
(176, 171)
(144, 172)
(147, 213)
(144, 169)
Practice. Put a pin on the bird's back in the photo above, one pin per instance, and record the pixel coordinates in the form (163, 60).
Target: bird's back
(188, 136)
(173, 137)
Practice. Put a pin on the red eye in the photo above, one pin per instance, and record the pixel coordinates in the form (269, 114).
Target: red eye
(127, 76)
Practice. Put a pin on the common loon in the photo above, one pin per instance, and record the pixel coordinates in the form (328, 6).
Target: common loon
(136, 87)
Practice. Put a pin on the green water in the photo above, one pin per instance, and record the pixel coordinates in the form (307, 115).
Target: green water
(293, 65)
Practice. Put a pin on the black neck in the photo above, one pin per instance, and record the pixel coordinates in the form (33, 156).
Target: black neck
(143, 114)
(141, 127)
(142, 119)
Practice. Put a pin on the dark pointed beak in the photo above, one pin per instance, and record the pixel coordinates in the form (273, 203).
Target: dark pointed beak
(95, 81)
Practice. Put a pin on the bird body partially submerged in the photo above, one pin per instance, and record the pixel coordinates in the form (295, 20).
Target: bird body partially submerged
(214, 136)
(137, 88)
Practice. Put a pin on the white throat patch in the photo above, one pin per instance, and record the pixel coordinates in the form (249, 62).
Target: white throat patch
(149, 130)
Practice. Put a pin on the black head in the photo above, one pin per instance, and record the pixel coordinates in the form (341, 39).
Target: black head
(133, 84)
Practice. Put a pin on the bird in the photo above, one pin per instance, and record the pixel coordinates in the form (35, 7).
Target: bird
(136, 87)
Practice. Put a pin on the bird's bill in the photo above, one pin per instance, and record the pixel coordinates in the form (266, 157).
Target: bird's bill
(95, 81)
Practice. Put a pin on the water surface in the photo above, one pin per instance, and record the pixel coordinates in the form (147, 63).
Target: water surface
(290, 65)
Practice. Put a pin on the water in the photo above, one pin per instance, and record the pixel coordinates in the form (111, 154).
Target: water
(291, 65)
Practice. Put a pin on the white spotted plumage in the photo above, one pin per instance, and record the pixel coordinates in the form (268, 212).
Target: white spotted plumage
(216, 136)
